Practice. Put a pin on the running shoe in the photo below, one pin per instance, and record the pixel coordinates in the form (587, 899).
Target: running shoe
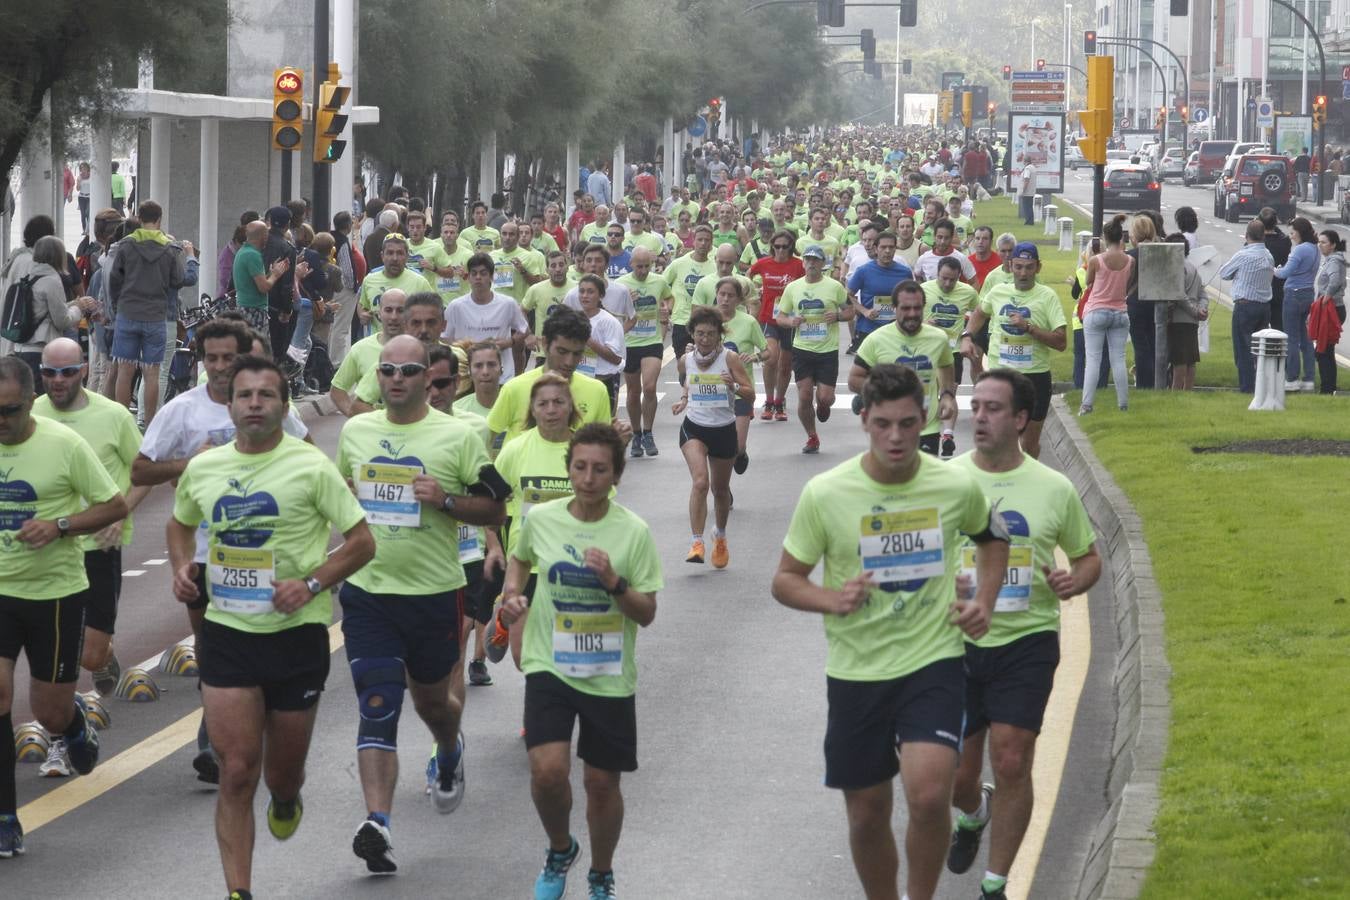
(446, 797)
(601, 885)
(55, 765)
(11, 837)
(822, 411)
(948, 446)
(997, 894)
(106, 678)
(779, 412)
(240, 895)
(857, 404)
(812, 444)
(767, 414)
(720, 555)
(478, 673)
(283, 816)
(635, 450)
(696, 552)
(741, 463)
(552, 881)
(649, 444)
(83, 753)
(498, 638)
(372, 843)
(207, 766)
(966, 841)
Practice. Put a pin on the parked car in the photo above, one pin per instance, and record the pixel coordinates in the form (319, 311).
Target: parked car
(1171, 164)
(1131, 186)
(1190, 173)
(1073, 157)
(1212, 156)
(1252, 181)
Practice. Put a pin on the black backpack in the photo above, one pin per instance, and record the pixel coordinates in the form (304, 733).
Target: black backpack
(19, 321)
(319, 370)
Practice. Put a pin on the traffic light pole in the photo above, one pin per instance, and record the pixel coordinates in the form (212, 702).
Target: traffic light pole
(1321, 147)
(319, 218)
(286, 187)
(1098, 198)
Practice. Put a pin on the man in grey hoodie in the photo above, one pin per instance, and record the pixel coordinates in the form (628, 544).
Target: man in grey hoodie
(146, 267)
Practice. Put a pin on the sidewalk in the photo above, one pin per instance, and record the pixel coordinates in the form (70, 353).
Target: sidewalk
(1325, 214)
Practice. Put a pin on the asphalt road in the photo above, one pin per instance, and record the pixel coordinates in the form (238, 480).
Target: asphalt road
(728, 801)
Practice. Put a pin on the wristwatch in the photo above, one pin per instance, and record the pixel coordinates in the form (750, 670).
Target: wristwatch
(315, 585)
(948, 391)
(965, 334)
(448, 503)
(63, 526)
(620, 587)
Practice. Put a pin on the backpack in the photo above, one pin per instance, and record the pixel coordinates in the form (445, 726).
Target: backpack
(319, 369)
(19, 323)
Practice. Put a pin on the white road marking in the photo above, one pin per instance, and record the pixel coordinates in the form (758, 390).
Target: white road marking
(154, 562)
(132, 573)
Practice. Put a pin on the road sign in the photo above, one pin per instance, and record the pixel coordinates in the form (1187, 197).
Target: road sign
(1200, 115)
(698, 127)
(1124, 121)
(1265, 113)
(1037, 92)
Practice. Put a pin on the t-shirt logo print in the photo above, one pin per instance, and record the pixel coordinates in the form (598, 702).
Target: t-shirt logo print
(249, 515)
(17, 491)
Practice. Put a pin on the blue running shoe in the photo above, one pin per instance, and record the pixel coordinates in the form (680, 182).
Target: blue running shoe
(83, 751)
(601, 885)
(552, 881)
(11, 837)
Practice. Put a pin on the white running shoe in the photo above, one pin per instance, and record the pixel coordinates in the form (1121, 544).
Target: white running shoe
(56, 765)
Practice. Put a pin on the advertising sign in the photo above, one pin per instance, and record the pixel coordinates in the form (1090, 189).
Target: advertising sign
(1292, 134)
(919, 109)
(1038, 139)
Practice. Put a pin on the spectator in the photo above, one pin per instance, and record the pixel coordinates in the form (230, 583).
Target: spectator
(1077, 288)
(1188, 223)
(119, 190)
(1302, 171)
(598, 186)
(1251, 270)
(386, 224)
(1279, 245)
(1026, 190)
(281, 298)
(225, 261)
(344, 312)
(1142, 333)
(1184, 318)
(1330, 288)
(82, 193)
(1106, 321)
(106, 225)
(1298, 274)
(45, 265)
(497, 214)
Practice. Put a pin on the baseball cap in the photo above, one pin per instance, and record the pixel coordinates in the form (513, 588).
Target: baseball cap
(279, 217)
(813, 252)
(1026, 250)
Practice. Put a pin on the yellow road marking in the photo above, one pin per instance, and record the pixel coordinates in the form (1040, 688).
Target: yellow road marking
(124, 766)
(1052, 748)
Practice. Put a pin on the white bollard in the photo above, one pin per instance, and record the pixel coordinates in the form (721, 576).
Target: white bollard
(1269, 346)
(1084, 241)
(1065, 233)
(1050, 214)
(1037, 203)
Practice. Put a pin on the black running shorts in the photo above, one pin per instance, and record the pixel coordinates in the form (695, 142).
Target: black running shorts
(290, 666)
(1011, 684)
(608, 739)
(50, 632)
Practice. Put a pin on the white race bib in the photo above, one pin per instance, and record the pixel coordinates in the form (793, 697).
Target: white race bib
(1015, 595)
(645, 326)
(587, 644)
(707, 390)
(587, 364)
(885, 310)
(241, 580)
(385, 492)
(504, 276)
(902, 546)
(813, 329)
(470, 547)
(1015, 354)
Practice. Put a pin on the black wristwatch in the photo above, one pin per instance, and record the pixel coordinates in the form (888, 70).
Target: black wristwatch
(620, 587)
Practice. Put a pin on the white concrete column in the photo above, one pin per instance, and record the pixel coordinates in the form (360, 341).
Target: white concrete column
(487, 167)
(161, 130)
(100, 171)
(677, 139)
(671, 152)
(616, 176)
(344, 170)
(571, 177)
(208, 212)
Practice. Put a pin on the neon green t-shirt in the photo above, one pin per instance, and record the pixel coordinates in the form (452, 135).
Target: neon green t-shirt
(431, 251)
(811, 302)
(536, 471)
(575, 629)
(513, 403)
(377, 282)
(415, 544)
(360, 359)
(1042, 510)
(453, 287)
(268, 517)
(544, 244)
(508, 280)
(542, 298)
(744, 334)
(651, 241)
(1014, 347)
(111, 431)
(593, 233)
(925, 353)
(683, 276)
(647, 298)
(948, 311)
(54, 473)
(829, 244)
(909, 538)
(480, 240)
(994, 279)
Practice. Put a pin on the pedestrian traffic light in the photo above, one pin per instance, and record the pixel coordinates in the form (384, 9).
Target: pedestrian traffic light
(1040, 65)
(1089, 43)
(909, 13)
(830, 13)
(329, 119)
(1007, 73)
(1320, 110)
(907, 66)
(1096, 120)
(867, 39)
(288, 95)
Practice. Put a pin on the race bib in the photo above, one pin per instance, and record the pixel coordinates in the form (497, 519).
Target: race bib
(646, 323)
(385, 492)
(902, 546)
(1014, 354)
(449, 285)
(587, 364)
(586, 645)
(707, 390)
(470, 547)
(504, 276)
(885, 310)
(241, 580)
(813, 328)
(530, 497)
(1015, 595)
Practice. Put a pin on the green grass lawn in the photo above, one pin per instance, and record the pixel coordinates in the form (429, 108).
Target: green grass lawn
(1216, 368)
(1248, 553)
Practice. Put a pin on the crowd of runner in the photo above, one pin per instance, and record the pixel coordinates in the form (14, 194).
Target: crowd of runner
(502, 379)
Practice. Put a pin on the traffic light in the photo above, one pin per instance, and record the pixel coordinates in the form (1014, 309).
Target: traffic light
(288, 97)
(1320, 110)
(1040, 65)
(1007, 73)
(909, 13)
(1162, 116)
(1185, 115)
(830, 13)
(991, 112)
(1089, 43)
(1096, 120)
(715, 109)
(329, 119)
(868, 41)
(907, 66)
(967, 110)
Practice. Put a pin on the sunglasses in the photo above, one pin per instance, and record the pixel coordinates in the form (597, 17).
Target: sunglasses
(63, 371)
(441, 384)
(407, 370)
(10, 410)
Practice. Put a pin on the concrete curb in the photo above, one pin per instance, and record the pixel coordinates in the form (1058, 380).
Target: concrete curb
(1123, 844)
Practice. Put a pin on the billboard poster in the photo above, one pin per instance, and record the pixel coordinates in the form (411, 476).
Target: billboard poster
(1038, 139)
(1292, 134)
(919, 109)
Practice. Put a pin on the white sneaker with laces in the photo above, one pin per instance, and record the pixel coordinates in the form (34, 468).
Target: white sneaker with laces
(56, 765)
(1309, 387)
(1291, 387)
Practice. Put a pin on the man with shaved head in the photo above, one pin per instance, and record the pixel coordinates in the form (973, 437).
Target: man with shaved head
(364, 353)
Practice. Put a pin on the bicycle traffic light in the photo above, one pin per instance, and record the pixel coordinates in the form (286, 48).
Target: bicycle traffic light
(288, 97)
(1040, 65)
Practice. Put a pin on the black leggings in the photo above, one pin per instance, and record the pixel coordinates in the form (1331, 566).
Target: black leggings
(1326, 363)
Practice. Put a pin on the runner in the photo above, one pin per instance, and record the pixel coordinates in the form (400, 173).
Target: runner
(1026, 322)
(645, 347)
(417, 474)
(814, 306)
(683, 276)
(485, 372)
(54, 488)
(816, 236)
(361, 358)
(1010, 670)
(714, 384)
(451, 279)
(479, 237)
(773, 275)
(605, 349)
(427, 258)
(872, 284)
(263, 649)
(187, 426)
(542, 298)
(743, 336)
(947, 302)
(485, 314)
(392, 275)
(893, 624)
(907, 248)
(943, 248)
(579, 649)
(111, 431)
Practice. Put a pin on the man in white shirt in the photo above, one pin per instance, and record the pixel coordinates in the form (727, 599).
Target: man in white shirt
(616, 299)
(605, 351)
(485, 315)
(1026, 189)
